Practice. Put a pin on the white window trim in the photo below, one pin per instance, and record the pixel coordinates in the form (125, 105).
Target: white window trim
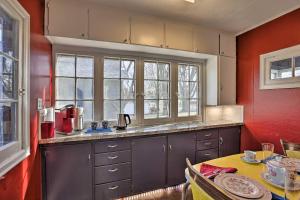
(15, 152)
(266, 59)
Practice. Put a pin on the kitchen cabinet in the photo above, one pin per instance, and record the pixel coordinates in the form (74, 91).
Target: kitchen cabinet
(229, 141)
(148, 163)
(109, 25)
(67, 18)
(68, 172)
(146, 30)
(179, 36)
(180, 147)
(227, 45)
(227, 80)
(206, 41)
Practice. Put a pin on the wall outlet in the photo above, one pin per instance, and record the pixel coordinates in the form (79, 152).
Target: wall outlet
(39, 103)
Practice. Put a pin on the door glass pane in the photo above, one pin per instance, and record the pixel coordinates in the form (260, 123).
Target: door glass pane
(163, 89)
(85, 67)
(194, 90)
(183, 73)
(281, 69)
(183, 89)
(87, 109)
(163, 71)
(127, 69)
(183, 107)
(65, 88)
(150, 109)
(112, 89)
(7, 123)
(150, 70)
(8, 34)
(194, 107)
(85, 89)
(111, 109)
(8, 81)
(128, 107)
(150, 89)
(127, 90)
(164, 108)
(65, 66)
(111, 68)
(297, 66)
(193, 73)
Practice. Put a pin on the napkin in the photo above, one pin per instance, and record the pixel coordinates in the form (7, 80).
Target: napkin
(277, 197)
(211, 171)
(98, 130)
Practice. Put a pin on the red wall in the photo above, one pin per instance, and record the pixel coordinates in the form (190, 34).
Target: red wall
(24, 180)
(269, 114)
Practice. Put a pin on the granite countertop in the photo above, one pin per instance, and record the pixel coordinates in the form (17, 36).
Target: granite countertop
(140, 131)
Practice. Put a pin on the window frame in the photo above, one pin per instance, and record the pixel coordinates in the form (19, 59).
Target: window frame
(265, 65)
(13, 153)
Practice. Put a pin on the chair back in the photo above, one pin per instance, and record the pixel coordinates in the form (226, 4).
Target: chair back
(206, 185)
(290, 149)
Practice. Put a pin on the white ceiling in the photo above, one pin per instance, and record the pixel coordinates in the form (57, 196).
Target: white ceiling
(235, 16)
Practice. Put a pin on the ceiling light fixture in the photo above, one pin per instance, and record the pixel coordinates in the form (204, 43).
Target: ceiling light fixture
(190, 1)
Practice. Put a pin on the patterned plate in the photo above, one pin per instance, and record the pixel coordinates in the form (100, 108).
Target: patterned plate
(267, 178)
(240, 185)
(290, 162)
(250, 161)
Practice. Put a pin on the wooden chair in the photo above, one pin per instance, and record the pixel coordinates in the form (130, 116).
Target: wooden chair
(290, 149)
(206, 188)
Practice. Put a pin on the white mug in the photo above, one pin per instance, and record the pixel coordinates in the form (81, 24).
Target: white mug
(250, 155)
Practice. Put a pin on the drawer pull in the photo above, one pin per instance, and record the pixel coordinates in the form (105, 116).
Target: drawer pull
(207, 154)
(113, 170)
(112, 157)
(114, 187)
(207, 143)
(208, 135)
(112, 146)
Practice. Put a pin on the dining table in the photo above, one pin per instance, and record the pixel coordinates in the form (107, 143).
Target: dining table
(253, 171)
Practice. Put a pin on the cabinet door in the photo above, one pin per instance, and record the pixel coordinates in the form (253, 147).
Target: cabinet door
(67, 18)
(68, 172)
(108, 25)
(179, 36)
(180, 147)
(147, 30)
(229, 143)
(148, 163)
(227, 80)
(206, 41)
(227, 45)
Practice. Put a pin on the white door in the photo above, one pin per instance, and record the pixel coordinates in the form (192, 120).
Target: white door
(206, 41)
(146, 30)
(227, 80)
(179, 36)
(106, 24)
(227, 45)
(67, 18)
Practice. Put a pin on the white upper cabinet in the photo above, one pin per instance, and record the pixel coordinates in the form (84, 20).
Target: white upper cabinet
(67, 18)
(227, 80)
(109, 25)
(206, 41)
(227, 45)
(179, 36)
(146, 30)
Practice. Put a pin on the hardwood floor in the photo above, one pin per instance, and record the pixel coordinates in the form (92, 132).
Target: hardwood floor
(172, 193)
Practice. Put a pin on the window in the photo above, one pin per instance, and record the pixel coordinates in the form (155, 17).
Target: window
(188, 90)
(280, 69)
(156, 90)
(14, 81)
(119, 87)
(74, 81)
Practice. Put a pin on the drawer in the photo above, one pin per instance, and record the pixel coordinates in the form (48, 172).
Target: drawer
(208, 134)
(110, 173)
(113, 145)
(112, 158)
(207, 144)
(205, 155)
(113, 190)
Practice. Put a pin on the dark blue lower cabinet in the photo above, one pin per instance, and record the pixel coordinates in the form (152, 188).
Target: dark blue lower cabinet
(68, 172)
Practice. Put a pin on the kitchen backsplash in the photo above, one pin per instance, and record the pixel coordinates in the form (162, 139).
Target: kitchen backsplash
(233, 113)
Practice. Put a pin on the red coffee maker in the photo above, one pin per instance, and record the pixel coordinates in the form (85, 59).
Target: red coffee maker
(46, 123)
(64, 119)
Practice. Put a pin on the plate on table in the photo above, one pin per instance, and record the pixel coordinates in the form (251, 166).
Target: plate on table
(267, 178)
(250, 161)
(241, 186)
(290, 162)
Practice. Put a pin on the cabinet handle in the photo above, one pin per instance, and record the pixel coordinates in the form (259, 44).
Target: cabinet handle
(207, 154)
(208, 135)
(114, 187)
(164, 148)
(207, 143)
(89, 158)
(113, 170)
(161, 46)
(170, 147)
(167, 46)
(112, 146)
(112, 157)
(82, 34)
(221, 140)
(125, 41)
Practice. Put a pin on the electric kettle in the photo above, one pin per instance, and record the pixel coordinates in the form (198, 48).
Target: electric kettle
(122, 121)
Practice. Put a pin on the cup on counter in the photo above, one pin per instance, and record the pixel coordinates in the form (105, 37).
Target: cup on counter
(94, 125)
(105, 124)
(250, 155)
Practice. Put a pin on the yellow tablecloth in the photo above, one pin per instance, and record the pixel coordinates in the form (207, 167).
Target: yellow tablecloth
(250, 170)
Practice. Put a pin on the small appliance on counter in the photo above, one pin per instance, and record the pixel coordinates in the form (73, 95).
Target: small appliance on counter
(78, 120)
(122, 122)
(46, 123)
